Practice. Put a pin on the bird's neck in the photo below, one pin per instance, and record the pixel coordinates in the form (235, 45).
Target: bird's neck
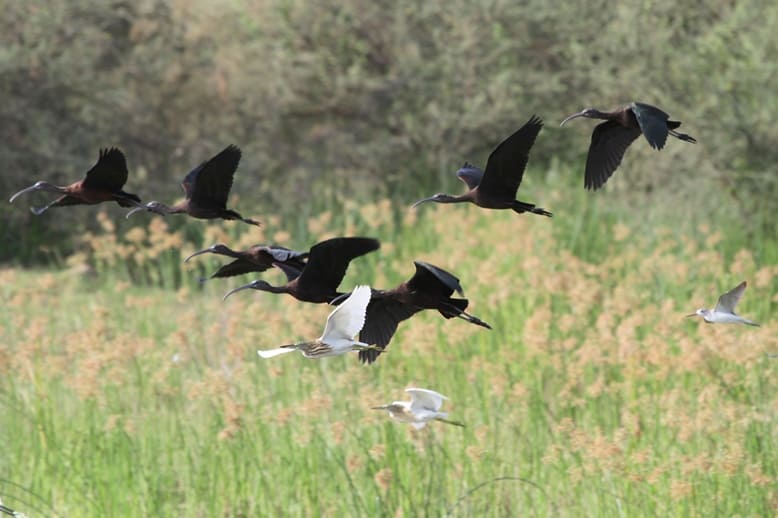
(448, 198)
(597, 114)
(178, 208)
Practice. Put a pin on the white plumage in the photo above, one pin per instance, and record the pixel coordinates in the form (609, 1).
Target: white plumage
(343, 325)
(424, 406)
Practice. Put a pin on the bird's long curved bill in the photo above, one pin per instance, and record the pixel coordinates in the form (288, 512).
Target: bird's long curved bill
(382, 407)
(573, 116)
(422, 201)
(692, 315)
(23, 191)
(133, 211)
(235, 290)
(199, 252)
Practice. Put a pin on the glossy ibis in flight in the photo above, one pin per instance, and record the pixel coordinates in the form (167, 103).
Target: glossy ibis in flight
(326, 266)
(496, 187)
(103, 182)
(424, 406)
(258, 258)
(724, 312)
(206, 187)
(429, 288)
(610, 139)
(339, 337)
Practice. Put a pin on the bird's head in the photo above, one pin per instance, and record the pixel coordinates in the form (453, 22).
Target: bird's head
(589, 113)
(253, 285)
(392, 408)
(152, 206)
(699, 313)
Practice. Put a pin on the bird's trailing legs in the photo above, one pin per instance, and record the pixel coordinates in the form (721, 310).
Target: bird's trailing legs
(372, 347)
(473, 320)
(520, 207)
(455, 423)
(683, 136)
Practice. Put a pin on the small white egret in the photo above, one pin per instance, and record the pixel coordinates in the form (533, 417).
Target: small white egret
(424, 406)
(724, 312)
(343, 324)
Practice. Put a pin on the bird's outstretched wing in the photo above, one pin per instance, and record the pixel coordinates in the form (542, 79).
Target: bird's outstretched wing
(424, 399)
(653, 122)
(381, 321)
(240, 267)
(433, 280)
(346, 320)
(506, 164)
(729, 300)
(470, 174)
(209, 183)
(328, 261)
(609, 142)
(110, 171)
(280, 254)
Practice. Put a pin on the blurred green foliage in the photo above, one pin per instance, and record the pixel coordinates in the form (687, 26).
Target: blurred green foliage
(348, 99)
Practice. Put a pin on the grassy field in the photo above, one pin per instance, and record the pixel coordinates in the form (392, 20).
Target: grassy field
(592, 396)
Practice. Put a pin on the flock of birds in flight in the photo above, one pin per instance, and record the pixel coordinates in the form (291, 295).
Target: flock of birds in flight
(374, 314)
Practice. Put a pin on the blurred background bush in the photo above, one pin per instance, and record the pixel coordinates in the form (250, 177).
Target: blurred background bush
(332, 100)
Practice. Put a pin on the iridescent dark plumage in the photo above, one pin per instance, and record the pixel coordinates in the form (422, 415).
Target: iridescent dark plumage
(103, 182)
(610, 139)
(496, 187)
(326, 266)
(207, 188)
(257, 258)
(429, 288)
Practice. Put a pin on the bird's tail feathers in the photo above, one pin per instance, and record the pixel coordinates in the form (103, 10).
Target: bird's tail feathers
(456, 308)
(751, 323)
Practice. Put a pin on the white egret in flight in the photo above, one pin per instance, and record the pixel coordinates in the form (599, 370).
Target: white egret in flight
(343, 325)
(424, 406)
(724, 312)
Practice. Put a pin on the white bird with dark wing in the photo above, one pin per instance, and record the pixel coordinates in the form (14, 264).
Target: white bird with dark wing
(343, 325)
(424, 406)
(724, 312)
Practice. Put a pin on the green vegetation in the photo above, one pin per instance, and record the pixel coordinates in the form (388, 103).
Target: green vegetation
(592, 395)
(342, 100)
(128, 389)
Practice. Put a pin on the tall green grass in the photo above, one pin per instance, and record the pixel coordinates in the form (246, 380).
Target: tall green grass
(134, 390)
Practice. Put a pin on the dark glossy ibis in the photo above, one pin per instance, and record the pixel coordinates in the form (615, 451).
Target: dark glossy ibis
(326, 266)
(206, 187)
(103, 182)
(258, 258)
(610, 139)
(496, 187)
(429, 288)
